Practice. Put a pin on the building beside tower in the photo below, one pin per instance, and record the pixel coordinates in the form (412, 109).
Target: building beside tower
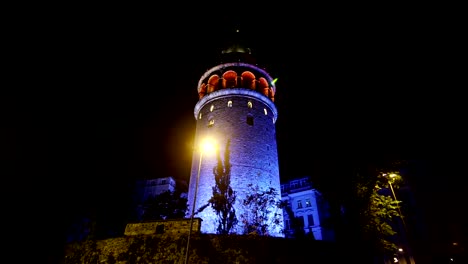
(235, 108)
(306, 210)
(146, 188)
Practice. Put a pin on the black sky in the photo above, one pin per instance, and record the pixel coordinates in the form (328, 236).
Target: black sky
(109, 96)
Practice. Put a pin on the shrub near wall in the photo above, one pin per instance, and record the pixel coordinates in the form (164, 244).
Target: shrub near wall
(203, 249)
(169, 227)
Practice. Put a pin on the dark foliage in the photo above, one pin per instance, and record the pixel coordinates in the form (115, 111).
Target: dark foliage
(259, 204)
(296, 225)
(167, 205)
(224, 197)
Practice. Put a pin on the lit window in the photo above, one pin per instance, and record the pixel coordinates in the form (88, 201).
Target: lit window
(230, 104)
(265, 111)
(211, 123)
(211, 108)
(199, 116)
(308, 203)
(249, 104)
(299, 204)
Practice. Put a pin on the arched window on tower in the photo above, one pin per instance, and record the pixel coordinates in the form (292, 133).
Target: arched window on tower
(211, 108)
(249, 104)
(211, 123)
(265, 111)
(250, 120)
(229, 103)
(199, 116)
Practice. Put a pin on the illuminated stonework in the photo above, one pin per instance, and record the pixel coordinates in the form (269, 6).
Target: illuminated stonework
(236, 103)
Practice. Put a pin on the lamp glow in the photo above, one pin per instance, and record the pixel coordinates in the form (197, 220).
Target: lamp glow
(208, 146)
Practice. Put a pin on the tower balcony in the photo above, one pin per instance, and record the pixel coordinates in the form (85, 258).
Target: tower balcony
(236, 75)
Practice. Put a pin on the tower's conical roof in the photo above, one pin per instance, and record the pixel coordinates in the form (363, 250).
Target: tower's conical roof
(236, 48)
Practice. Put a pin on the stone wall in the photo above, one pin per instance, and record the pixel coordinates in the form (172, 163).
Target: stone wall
(170, 227)
(245, 119)
(203, 249)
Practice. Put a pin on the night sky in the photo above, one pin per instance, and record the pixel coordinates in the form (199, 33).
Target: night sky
(109, 98)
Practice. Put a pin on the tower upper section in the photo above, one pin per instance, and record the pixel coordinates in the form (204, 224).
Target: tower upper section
(236, 75)
(237, 70)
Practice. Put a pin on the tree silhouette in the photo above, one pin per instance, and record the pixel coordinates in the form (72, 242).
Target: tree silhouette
(259, 204)
(166, 205)
(224, 197)
(368, 211)
(296, 225)
(359, 214)
(377, 213)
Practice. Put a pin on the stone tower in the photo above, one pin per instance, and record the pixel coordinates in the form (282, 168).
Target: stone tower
(236, 105)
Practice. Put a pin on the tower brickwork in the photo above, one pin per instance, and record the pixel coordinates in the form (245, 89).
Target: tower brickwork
(236, 105)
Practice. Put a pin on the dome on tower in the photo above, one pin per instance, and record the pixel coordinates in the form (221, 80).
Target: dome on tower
(236, 49)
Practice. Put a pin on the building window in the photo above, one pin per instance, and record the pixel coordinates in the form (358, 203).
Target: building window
(294, 184)
(249, 104)
(299, 204)
(265, 111)
(199, 116)
(211, 108)
(250, 120)
(308, 203)
(211, 123)
(310, 220)
(300, 221)
(163, 182)
(230, 104)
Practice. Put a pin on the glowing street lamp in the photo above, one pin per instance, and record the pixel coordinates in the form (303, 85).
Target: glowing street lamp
(393, 175)
(405, 231)
(207, 146)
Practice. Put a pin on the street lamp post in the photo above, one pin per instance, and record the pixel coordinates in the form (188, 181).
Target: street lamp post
(207, 145)
(394, 197)
(405, 231)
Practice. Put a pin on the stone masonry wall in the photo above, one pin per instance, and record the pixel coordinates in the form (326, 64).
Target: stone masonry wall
(170, 227)
(248, 121)
(203, 249)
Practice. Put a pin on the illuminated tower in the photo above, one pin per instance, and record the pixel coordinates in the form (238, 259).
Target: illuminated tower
(236, 104)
